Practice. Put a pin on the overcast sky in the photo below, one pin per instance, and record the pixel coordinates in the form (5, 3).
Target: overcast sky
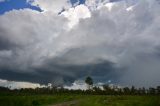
(60, 41)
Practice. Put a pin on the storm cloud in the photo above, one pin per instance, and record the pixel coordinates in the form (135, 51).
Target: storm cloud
(116, 41)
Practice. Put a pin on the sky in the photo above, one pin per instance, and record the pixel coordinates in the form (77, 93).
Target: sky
(8, 5)
(63, 42)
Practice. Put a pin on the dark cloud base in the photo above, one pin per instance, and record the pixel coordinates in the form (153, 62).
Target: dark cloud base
(101, 72)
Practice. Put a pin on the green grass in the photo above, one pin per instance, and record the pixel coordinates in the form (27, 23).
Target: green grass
(88, 100)
(36, 100)
(121, 101)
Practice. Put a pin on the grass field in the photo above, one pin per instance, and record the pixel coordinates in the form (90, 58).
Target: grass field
(82, 100)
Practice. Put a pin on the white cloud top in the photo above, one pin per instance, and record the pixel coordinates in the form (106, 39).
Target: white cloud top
(51, 5)
(77, 13)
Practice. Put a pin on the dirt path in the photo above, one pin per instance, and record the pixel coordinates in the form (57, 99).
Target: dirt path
(71, 103)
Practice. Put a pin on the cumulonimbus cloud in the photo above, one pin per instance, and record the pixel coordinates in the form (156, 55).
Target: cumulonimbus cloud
(118, 39)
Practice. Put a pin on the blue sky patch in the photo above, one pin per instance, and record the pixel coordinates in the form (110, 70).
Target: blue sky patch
(80, 1)
(9, 5)
(15, 4)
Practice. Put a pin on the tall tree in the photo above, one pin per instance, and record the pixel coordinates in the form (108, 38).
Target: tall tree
(89, 82)
(133, 90)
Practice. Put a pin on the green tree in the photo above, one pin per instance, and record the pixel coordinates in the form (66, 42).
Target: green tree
(152, 91)
(89, 82)
(133, 90)
(126, 90)
(158, 89)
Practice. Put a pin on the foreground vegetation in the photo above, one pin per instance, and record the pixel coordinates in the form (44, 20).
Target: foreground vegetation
(34, 100)
(82, 100)
(95, 96)
(121, 101)
(92, 97)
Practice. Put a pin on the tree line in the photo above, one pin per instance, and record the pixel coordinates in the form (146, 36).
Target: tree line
(93, 90)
